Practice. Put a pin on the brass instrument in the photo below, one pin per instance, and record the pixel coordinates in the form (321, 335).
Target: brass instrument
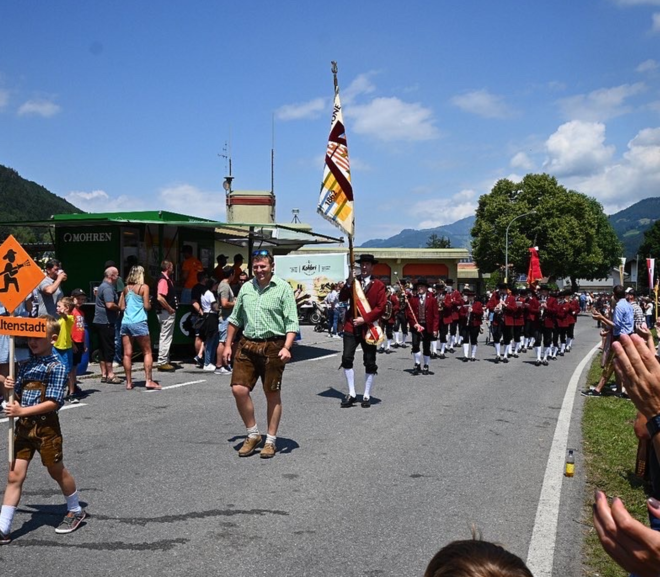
(544, 305)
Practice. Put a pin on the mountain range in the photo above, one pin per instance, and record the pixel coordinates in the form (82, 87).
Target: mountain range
(629, 225)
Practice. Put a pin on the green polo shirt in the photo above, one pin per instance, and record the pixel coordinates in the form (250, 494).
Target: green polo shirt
(265, 312)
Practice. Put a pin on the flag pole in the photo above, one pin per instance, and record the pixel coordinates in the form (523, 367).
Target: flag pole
(12, 374)
(351, 253)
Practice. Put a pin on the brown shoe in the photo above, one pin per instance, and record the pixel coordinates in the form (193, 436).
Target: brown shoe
(167, 368)
(268, 452)
(249, 446)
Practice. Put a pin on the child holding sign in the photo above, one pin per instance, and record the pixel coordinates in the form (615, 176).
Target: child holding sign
(40, 387)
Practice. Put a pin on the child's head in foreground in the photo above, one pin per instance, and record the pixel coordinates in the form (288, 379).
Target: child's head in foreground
(476, 558)
(43, 346)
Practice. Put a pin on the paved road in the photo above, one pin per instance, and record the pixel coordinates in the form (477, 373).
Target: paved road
(352, 492)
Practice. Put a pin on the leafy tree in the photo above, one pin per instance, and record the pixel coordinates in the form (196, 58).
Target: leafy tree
(650, 248)
(436, 241)
(574, 236)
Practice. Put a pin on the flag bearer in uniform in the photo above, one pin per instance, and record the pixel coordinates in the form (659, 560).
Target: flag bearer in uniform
(355, 329)
(423, 318)
(509, 310)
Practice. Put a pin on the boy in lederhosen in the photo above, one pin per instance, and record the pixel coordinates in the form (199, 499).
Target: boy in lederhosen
(39, 388)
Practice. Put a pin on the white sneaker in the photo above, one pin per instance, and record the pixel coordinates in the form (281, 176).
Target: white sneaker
(116, 365)
(209, 367)
(222, 371)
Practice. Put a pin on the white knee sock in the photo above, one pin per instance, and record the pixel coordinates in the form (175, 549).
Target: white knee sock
(569, 343)
(434, 347)
(427, 360)
(6, 517)
(418, 358)
(73, 503)
(350, 381)
(443, 347)
(388, 345)
(518, 346)
(563, 347)
(538, 353)
(466, 350)
(498, 349)
(474, 351)
(368, 383)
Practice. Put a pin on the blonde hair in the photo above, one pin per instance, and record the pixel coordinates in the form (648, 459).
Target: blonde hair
(136, 275)
(67, 302)
(52, 326)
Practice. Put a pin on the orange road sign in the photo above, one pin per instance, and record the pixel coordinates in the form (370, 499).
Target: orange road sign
(22, 327)
(19, 274)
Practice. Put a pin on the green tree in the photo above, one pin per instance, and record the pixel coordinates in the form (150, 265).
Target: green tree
(436, 241)
(650, 248)
(574, 236)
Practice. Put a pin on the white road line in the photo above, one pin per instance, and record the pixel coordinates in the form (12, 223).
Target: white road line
(64, 408)
(316, 359)
(175, 386)
(540, 556)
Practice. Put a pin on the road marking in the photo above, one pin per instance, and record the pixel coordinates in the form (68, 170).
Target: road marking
(316, 358)
(174, 386)
(64, 408)
(540, 556)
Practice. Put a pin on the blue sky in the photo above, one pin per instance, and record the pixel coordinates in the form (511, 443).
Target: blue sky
(126, 105)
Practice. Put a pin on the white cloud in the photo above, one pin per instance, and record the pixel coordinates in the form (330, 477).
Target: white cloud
(101, 201)
(638, 2)
(636, 175)
(361, 85)
(601, 104)
(39, 107)
(522, 161)
(4, 98)
(647, 66)
(483, 103)
(655, 26)
(577, 148)
(444, 210)
(190, 200)
(391, 119)
(303, 110)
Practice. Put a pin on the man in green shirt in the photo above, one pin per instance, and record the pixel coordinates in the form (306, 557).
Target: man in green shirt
(266, 311)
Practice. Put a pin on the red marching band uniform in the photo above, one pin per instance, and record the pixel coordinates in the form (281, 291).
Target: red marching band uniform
(428, 318)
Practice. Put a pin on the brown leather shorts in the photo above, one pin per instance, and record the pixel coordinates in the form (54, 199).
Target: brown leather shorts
(42, 434)
(255, 360)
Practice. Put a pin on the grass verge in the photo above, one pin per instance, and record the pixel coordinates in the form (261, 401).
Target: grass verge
(610, 450)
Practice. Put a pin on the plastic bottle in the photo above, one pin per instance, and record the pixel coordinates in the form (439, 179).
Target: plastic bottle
(570, 464)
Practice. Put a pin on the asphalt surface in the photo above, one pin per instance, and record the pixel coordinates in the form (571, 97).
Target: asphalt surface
(351, 492)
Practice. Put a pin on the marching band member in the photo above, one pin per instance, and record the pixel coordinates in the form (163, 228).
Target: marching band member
(532, 308)
(445, 309)
(400, 322)
(456, 300)
(387, 320)
(423, 318)
(475, 319)
(572, 319)
(355, 328)
(518, 320)
(509, 309)
(548, 310)
(495, 305)
(562, 316)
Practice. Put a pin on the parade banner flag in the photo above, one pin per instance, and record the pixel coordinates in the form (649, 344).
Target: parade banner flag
(336, 198)
(621, 269)
(650, 266)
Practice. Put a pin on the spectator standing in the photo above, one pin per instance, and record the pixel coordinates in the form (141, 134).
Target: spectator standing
(623, 317)
(331, 300)
(226, 306)
(266, 310)
(64, 345)
(119, 287)
(135, 302)
(196, 316)
(189, 268)
(106, 311)
(238, 272)
(78, 339)
(648, 312)
(209, 330)
(638, 313)
(166, 297)
(218, 273)
(49, 291)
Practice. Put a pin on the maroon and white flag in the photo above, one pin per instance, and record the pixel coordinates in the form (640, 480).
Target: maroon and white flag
(650, 265)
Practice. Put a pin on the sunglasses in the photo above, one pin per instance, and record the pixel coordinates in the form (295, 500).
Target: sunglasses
(261, 253)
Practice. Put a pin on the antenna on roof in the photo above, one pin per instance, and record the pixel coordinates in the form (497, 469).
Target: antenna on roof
(227, 155)
(272, 158)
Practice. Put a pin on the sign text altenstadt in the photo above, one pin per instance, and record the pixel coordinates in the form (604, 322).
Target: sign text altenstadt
(87, 237)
